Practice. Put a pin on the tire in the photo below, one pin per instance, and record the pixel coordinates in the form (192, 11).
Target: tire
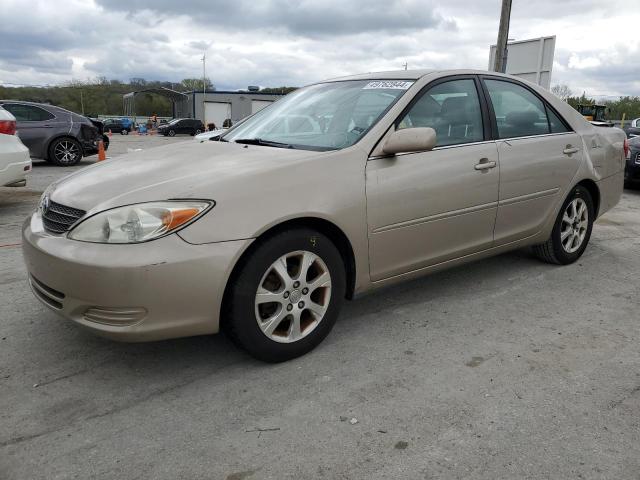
(171, 133)
(197, 132)
(571, 231)
(123, 132)
(65, 152)
(263, 327)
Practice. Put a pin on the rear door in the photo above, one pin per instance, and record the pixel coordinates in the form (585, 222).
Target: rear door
(539, 156)
(34, 124)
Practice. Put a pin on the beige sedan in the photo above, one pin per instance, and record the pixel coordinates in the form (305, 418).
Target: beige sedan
(339, 188)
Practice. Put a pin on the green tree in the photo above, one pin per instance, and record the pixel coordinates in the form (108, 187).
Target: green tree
(195, 84)
(282, 90)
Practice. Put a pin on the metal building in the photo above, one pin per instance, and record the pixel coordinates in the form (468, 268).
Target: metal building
(217, 106)
(212, 106)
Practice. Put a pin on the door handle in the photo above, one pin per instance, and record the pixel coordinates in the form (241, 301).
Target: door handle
(485, 164)
(568, 150)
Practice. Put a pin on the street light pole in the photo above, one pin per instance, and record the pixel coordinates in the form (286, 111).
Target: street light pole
(204, 85)
(500, 64)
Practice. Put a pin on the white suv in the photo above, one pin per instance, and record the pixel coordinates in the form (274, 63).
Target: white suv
(15, 161)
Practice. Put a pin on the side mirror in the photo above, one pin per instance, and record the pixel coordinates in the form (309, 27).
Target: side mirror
(410, 140)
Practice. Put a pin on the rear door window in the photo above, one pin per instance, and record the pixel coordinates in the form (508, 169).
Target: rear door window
(519, 113)
(556, 125)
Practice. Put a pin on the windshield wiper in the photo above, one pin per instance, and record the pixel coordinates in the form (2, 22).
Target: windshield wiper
(266, 143)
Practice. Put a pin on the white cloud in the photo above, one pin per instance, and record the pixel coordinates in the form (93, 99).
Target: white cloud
(578, 62)
(288, 42)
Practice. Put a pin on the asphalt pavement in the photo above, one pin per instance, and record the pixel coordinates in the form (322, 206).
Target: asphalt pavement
(502, 369)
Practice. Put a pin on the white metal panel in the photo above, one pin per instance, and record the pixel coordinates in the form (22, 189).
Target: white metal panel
(216, 112)
(257, 105)
(530, 59)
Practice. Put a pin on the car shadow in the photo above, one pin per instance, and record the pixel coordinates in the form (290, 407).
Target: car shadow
(39, 163)
(208, 354)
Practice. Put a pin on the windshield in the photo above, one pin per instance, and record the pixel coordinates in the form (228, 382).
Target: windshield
(327, 116)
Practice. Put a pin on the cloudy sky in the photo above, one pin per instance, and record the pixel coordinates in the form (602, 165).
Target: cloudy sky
(288, 42)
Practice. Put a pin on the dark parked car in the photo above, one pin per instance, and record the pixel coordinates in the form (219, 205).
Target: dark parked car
(181, 125)
(633, 129)
(632, 172)
(116, 125)
(52, 133)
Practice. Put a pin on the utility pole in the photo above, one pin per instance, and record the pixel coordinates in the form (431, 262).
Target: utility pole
(81, 102)
(500, 64)
(204, 85)
(405, 65)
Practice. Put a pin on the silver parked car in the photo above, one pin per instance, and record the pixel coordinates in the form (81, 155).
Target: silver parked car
(339, 188)
(52, 133)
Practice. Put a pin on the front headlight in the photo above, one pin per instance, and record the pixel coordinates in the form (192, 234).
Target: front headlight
(139, 223)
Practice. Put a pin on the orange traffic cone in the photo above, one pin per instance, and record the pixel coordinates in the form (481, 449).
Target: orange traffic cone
(101, 153)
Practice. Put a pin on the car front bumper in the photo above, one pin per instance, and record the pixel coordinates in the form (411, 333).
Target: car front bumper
(162, 289)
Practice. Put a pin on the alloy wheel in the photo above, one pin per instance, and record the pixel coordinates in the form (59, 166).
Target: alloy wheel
(575, 223)
(293, 296)
(66, 151)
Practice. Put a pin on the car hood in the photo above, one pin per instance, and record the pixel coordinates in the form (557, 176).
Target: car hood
(181, 170)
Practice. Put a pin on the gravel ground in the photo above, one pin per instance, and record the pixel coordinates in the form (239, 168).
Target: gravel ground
(506, 368)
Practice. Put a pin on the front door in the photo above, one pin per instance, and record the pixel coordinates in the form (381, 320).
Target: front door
(425, 208)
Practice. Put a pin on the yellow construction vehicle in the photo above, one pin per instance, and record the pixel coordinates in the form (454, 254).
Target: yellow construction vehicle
(595, 113)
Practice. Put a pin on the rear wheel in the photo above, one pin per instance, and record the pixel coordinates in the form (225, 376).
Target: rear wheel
(286, 297)
(198, 131)
(124, 131)
(65, 152)
(572, 230)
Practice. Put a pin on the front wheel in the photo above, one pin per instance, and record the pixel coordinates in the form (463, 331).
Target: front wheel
(572, 230)
(287, 296)
(172, 133)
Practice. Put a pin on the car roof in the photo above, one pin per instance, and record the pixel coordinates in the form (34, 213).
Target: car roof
(42, 105)
(23, 102)
(415, 74)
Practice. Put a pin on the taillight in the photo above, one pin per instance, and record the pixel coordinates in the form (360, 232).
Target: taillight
(8, 127)
(627, 150)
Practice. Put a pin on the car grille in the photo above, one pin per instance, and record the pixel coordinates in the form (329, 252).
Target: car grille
(59, 218)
